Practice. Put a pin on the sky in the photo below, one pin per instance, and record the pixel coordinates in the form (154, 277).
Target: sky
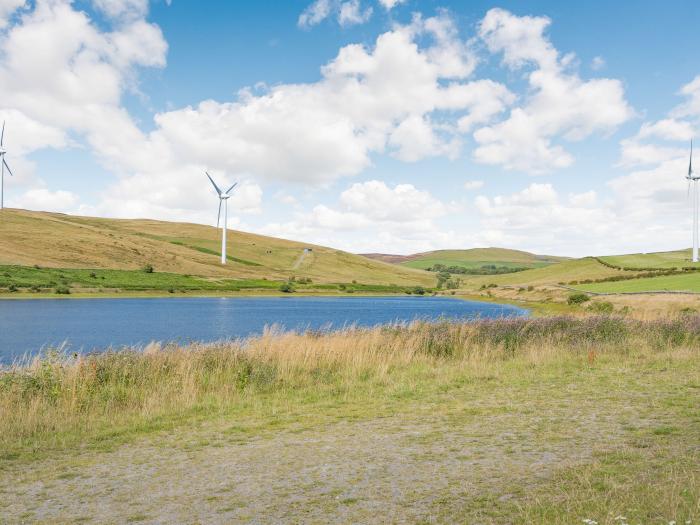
(393, 126)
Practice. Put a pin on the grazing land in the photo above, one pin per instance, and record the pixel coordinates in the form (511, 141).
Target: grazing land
(689, 282)
(34, 246)
(553, 420)
(472, 258)
(674, 259)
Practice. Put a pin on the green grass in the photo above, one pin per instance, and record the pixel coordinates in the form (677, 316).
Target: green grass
(30, 279)
(689, 282)
(423, 264)
(49, 278)
(674, 259)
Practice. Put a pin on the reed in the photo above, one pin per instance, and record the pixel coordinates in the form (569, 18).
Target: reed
(59, 399)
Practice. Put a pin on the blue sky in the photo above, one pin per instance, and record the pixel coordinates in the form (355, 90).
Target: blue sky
(369, 125)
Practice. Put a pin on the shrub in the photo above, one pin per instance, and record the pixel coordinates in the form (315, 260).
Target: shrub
(577, 298)
(604, 307)
(419, 290)
(12, 288)
(286, 288)
(93, 275)
(147, 268)
(62, 290)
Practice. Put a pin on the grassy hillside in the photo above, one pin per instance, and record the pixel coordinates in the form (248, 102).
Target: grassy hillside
(478, 257)
(689, 282)
(675, 259)
(472, 258)
(564, 272)
(52, 240)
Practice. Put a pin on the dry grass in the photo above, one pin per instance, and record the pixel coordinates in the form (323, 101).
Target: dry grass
(60, 399)
(63, 241)
(551, 420)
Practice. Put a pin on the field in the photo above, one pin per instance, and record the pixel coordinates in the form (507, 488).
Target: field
(555, 420)
(477, 257)
(685, 282)
(675, 259)
(183, 254)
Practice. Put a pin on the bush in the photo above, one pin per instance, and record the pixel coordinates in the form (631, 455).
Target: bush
(604, 307)
(93, 275)
(419, 290)
(578, 298)
(12, 288)
(148, 268)
(287, 288)
(62, 290)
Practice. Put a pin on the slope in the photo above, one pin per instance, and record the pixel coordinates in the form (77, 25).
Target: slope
(62, 241)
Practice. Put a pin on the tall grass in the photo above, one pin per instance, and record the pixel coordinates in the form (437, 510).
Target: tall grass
(58, 398)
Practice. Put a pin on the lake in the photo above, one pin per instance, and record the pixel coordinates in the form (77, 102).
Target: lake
(28, 326)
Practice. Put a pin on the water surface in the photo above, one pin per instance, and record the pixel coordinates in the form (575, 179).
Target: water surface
(28, 326)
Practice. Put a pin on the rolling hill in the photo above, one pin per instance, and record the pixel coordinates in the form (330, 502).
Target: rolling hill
(471, 258)
(53, 240)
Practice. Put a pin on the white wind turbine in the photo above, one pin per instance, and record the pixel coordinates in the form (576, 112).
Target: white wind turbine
(3, 165)
(223, 198)
(693, 179)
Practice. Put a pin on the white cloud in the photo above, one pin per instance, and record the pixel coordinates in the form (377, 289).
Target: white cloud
(123, 8)
(560, 104)
(42, 199)
(377, 201)
(7, 8)
(315, 13)
(372, 216)
(473, 184)
(351, 13)
(390, 4)
(597, 63)
(691, 108)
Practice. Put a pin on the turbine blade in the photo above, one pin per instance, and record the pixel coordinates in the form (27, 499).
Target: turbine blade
(690, 161)
(214, 184)
(2, 136)
(8, 168)
(232, 186)
(218, 216)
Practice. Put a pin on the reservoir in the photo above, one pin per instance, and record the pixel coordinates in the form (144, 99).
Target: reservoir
(29, 326)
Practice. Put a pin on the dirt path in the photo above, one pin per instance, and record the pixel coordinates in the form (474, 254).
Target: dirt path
(401, 469)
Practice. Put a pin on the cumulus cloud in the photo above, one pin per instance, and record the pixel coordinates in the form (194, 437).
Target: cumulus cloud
(560, 105)
(369, 100)
(42, 199)
(371, 216)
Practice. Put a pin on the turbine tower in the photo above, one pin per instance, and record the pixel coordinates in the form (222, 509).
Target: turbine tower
(693, 179)
(223, 198)
(3, 165)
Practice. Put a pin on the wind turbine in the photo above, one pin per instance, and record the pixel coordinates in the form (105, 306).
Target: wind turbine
(693, 179)
(3, 165)
(223, 198)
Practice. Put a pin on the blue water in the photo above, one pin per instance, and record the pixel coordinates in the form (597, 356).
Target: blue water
(28, 326)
